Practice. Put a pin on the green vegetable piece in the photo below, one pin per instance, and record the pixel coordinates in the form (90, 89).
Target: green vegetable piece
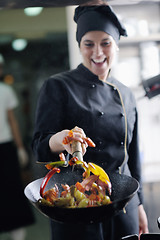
(106, 200)
(83, 203)
(79, 195)
(62, 202)
(45, 202)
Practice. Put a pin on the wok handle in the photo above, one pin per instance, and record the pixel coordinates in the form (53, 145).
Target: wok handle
(77, 150)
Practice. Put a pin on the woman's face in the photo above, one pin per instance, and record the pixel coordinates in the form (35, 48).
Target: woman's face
(98, 50)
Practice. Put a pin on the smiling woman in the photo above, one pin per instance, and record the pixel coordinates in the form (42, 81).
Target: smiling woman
(102, 108)
(98, 39)
(98, 50)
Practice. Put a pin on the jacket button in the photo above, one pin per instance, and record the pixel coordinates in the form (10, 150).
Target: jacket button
(114, 88)
(93, 85)
(122, 143)
(101, 113)
(122, 114)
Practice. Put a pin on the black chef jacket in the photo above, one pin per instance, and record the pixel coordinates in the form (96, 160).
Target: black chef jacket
(106, 111)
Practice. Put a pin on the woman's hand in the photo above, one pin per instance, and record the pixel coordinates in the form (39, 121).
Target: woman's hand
(56, 141)
(143, 222)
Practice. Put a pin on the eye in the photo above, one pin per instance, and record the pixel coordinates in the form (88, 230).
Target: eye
(89, 45)
(106, 43)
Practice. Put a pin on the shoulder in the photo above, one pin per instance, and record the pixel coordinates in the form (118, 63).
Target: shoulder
(7, 90)
(57, 85)
(61, 81)
(62, 77)
(5, 87)
(8, 95)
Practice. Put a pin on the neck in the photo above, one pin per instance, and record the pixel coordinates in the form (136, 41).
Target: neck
(104, 78)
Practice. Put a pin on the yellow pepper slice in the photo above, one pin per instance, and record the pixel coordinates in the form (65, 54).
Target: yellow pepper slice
(98, 171)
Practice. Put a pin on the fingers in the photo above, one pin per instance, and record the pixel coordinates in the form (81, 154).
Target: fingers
(87, 141)
(80, 135)
(76, 134)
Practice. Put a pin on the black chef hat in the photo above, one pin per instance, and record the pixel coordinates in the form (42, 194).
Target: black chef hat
(98, 18)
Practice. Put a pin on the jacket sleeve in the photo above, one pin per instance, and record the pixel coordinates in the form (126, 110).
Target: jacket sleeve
(134, 161)
(48, 119)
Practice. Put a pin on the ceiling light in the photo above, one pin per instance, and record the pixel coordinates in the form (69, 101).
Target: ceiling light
(33, 11)
(19, 44)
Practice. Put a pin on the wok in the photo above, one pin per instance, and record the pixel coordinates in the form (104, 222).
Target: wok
(123, 189)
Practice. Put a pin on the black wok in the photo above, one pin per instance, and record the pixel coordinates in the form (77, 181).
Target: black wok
(123, 189)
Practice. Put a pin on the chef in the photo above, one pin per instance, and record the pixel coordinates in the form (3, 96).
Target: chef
(103, 109)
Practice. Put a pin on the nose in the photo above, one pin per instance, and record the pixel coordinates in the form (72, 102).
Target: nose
(98, 50)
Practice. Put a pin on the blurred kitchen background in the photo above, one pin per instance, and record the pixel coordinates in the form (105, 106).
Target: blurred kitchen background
(37, 45)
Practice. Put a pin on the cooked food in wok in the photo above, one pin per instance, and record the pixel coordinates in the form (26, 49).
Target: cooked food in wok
(94, 190)
(90, 192)
(86, 191)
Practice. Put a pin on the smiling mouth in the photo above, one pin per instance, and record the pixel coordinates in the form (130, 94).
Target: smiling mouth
(98, 61)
